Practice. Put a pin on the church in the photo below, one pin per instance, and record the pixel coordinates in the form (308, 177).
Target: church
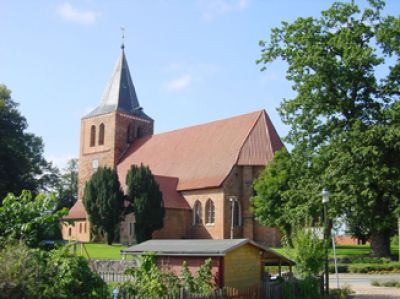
(205, 172)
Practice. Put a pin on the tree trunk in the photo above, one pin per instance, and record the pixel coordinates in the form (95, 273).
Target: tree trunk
(110, 238)
(380, 243)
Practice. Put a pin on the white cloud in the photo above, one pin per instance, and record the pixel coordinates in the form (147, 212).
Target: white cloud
(72, 14)
(179, 83)
(61, 160)
(213, 8)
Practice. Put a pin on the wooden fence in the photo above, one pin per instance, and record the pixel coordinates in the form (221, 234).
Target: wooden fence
(265, 290)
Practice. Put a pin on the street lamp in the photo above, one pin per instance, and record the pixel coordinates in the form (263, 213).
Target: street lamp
(325, 201)
(233, 200)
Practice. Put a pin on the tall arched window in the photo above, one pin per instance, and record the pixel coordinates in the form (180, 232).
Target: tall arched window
(237, 221)
(197, 213)
(92, 135)
(101, 134)
(210, 211)
(138, 132)
(128, 134)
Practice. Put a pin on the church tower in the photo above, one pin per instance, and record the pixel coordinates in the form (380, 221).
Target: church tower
(105, 135)
(109, 129)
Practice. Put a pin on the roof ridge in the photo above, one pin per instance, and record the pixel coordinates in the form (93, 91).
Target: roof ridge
(208, 123)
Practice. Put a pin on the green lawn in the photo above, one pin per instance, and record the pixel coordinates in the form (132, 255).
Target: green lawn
(105, 252)
(347, 250)
(100, 251)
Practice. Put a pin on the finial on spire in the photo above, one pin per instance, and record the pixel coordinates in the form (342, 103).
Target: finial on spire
(122, 37)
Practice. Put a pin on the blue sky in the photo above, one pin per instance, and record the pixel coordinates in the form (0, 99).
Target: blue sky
(191, 61)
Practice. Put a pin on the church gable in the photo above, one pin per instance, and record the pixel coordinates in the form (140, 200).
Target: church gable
(261, 144)
(200, 157)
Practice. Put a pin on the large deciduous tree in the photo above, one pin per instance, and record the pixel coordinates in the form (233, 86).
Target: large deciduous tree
(67, 191)
(103, 200)
(146, 198)
(22, 165)
(344, 119)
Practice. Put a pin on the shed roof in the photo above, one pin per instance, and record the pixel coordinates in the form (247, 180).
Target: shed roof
(202, 247)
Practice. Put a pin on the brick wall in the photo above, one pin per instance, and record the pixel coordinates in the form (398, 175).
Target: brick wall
(177, 224)
(239, 184)
(242, 267)
(205, 230)
(78, 230)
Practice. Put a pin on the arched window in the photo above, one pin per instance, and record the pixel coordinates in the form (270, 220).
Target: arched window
(236, 209)
(138, 132)
(128, 134)
(197, 213)
(69, 232)
(210, 211)
(92, 135)
(85, 228)
(101, 134)
(80, 228)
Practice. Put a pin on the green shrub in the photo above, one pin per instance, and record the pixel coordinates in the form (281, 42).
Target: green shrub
(308, 252)
(342, 293)
(33, 273)
(342, 268)
(390, 283)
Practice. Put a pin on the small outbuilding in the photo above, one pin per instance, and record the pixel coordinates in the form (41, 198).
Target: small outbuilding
(237, 263)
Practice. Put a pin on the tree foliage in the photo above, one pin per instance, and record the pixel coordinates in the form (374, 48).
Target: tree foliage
(307, 251)
(33, 273)
(67, 190)
(22, 163)
(28, 219)
(344, 119)
(146, 198)
(103, 200)
(148, 281)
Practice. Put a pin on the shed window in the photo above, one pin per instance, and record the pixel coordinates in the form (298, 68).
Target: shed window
(92, 135)
(197, 213)
(210, 211)
(101, 134)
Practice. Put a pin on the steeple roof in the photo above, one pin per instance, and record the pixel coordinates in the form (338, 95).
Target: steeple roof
(120, 94)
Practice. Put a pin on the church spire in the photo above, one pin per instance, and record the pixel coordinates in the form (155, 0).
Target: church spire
(120, 94)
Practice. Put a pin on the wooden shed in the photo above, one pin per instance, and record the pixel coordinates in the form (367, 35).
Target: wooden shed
(237, 263)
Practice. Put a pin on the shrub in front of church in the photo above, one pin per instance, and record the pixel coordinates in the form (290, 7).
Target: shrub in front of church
(148, 281)
(58, 274)
(146, 198)
(103, 200)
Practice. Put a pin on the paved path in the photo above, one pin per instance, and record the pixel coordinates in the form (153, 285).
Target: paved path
(361, 284)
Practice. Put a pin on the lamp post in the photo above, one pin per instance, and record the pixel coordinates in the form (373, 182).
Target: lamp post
(233, 200)
(325, 201)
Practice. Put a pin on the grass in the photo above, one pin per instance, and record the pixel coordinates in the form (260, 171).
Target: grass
(103, 251)
(350, 251)
(100, 251)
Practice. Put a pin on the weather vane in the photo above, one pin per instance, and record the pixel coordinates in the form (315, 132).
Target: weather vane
(122, 37)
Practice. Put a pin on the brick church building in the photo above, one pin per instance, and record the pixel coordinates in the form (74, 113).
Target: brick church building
(205, 172)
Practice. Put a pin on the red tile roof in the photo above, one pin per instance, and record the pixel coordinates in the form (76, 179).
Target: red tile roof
(202, 156)
(77, 211)
(171, 197)
(199, 157)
